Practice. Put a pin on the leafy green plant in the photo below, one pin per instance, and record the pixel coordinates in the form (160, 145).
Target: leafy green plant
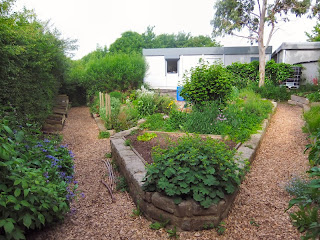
(297, 186)
(204, 170)
(108, 155)
(147, 136)
(208, 226)
(127, 142)
(221, 228)
(137, 211)
(173, 233)
(121, 184)
(254, 223)
(161, 224)
(103, 134)
(206, 83)
(312, 118)
(314, 97)
(36, 180)
(306, 219)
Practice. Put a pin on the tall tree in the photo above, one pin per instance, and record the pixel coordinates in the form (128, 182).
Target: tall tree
(232, 16)
(129, 42)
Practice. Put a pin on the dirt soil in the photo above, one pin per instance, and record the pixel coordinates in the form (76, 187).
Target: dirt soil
(257, 213)
(162, 140)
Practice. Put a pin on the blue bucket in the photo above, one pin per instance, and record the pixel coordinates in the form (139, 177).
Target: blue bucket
(179, 98)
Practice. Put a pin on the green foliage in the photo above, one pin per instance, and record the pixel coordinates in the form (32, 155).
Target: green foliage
(221, 228)
(117, 95)
(146, 137)
(201, 169)
(108, 155)
(161, 224)
(271, 91)
(238, 118)
(314, 149)
(137, 211)
(127, 142)
(36, 180)
(206, 83)
(312, 118)
(314, 36)
(103, 134)
(306, 219)
(129, 42)
(278, 72)
(121, 184)
(173, 233)
(314, 97)
(208, 226)
(32, 62)
(246, 74)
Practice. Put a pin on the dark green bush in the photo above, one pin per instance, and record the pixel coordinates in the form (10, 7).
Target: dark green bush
(245, 74)
(206, 83)
(204, 170)
(32, 63)
(36, 181)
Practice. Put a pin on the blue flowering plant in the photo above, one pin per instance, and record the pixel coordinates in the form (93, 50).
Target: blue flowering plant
(36, 180)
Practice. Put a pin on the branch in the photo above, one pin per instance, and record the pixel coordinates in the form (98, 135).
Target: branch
(109, 189)
(259, 7)
(248, 37)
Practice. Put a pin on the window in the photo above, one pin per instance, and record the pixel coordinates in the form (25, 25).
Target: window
(172, 65)
(254, 59)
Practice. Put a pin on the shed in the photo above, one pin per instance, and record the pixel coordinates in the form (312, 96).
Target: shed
(305, 53)
(166, 66)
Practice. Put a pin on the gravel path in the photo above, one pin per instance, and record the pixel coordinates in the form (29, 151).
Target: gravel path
(261, 200)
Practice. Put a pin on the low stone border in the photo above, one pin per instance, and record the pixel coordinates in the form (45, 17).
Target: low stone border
(302, 102)
(188, 215)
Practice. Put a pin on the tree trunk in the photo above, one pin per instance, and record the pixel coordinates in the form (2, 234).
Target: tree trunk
(262, 49)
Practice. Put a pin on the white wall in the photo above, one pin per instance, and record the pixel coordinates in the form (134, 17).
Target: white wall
(156, 74)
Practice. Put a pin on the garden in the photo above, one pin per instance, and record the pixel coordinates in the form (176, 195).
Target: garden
(192, 148)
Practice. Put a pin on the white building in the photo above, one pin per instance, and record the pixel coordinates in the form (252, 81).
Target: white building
(305, 53)
(166, 66)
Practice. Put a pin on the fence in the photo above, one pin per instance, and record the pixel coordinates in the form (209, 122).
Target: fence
(104, 100)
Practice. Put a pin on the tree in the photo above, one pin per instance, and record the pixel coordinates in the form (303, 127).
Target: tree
(232, 16)
(314, 36)
(129, 42)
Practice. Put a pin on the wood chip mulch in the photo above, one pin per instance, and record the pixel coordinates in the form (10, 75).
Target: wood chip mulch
(258, 211)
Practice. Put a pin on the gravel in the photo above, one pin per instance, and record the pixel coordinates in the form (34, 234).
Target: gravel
(258, 211)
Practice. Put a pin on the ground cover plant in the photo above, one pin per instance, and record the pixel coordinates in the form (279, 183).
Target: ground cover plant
(238, 118)
(306, 193)
(202, 169)
(36, 180)
(312, 118)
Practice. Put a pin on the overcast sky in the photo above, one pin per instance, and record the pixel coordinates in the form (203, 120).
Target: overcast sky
(101, 22)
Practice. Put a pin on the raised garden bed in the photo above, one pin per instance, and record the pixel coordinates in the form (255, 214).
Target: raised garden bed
(187, 215)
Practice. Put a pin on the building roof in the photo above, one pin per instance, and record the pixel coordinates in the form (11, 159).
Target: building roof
(172, 53)
(298, 46)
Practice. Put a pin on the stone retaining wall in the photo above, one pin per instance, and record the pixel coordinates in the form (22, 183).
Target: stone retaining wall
(188, 215)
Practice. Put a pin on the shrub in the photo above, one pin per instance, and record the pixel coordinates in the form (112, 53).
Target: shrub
(104, 135)
(206, 83)
(314, 97)
(204, 170)
(271, 91)
(244, 73)
(312, 118)
(116, 95)
(36, 181)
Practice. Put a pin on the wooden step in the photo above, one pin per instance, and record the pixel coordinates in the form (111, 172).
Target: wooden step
(52, 127)
(59, 111)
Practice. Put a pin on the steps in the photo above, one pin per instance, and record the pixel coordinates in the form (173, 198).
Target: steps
(55, 121)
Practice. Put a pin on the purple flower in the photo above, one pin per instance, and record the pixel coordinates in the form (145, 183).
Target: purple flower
(75, 182)
(46, 140)
(82, 195)
(46, 175)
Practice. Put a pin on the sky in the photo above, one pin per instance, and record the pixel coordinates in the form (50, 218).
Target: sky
(100, 22)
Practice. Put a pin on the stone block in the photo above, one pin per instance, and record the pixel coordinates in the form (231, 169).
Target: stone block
(198, 210)
(163, 202)
(184, 209)
(299, 99)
